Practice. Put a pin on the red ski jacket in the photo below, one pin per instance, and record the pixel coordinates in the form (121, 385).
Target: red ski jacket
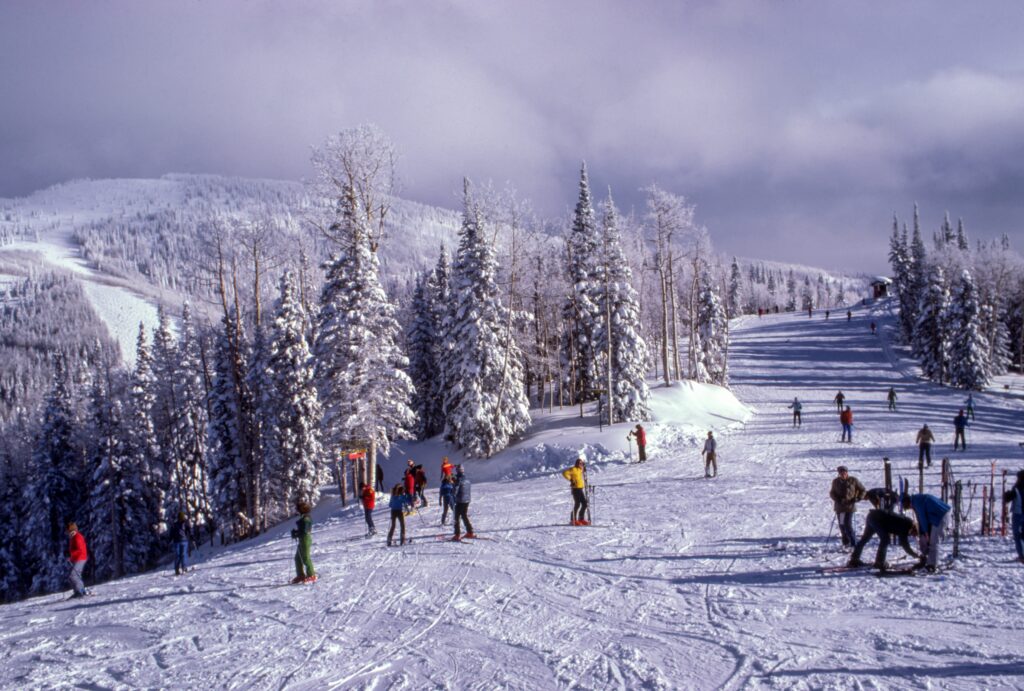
(846, 417)
(410, 482)
(641, 437)
(76, 548)
(368, 497)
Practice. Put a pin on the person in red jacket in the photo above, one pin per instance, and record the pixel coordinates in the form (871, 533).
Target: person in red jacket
(410, 484)
(78, 554)
(846, 419)
(641, 442)
(368, 498)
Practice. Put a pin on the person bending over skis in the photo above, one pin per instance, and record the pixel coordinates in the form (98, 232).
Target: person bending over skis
(885, 524)
(579, 492)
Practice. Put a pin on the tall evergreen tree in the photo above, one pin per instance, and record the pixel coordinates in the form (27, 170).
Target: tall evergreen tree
(228, 482)
(11, 545)
(485, 403)
(422, 344)
(931, 331)
(968, 348)
(791, 292)
(734, 303)
(713, 330)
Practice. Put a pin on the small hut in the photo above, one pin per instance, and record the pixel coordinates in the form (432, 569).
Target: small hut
(880, 287)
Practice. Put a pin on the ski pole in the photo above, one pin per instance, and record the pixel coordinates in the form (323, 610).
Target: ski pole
(830, 527)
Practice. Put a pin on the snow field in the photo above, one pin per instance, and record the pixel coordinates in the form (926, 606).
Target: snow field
(682, 583)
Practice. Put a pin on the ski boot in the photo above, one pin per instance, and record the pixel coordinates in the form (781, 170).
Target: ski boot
(297, 580)
(855, 563)
(470, 536)
(310, 579)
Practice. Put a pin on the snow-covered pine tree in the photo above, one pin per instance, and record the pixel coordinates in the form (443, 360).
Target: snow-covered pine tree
(899, 261)
(773, 295)
(485, 404)
(968, 348)
(437, 291)
(961, 237)
(734, 304)
(360, 370)
(581, 312)
(993, 320)
(11, 552)
(807, 295)
(422, 346)
(144, 461)
(931, 335)
(53, 496)
(791, 292)
(917, 273)
(713, 330)
(295, 461)
(619, 331)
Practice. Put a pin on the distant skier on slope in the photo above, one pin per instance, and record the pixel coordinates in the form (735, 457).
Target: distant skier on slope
(710, 456)
(303, 532)
(796, 407)
(885, 524)
(397, 504)
(180, 539)
(874, 329)
(891, 397)
(969, 404)
(838, 400)
(932, 517)
(924, 445)
(845, 492)
(579, 494)
(78, 555)
(641, 442)
(960, 429)
(849, 315)
(447, 497)
(463, 496)
(1015, 497)
(846, 420)
(368, 498)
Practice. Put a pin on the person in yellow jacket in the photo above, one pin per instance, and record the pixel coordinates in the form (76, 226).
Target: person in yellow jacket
(579, 492)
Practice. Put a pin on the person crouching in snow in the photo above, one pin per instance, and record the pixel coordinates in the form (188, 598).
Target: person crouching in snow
(78, 554)
(885, 524)
(304, 572)
(368, 498)
(397, 504)
(578, 484)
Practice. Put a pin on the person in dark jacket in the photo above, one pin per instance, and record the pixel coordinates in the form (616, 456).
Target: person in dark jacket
(78, 555)
(884, 523)
(379, 484)
(796, 407)
(303, 532)
(397, 504)
(447, 497)
(1015, 497)
(932, 516)
(368, 498)
(891, 396)
(845, 492)
(462, 499)
(838, 400)
(180, 535)
(420, 477)
(960, 429)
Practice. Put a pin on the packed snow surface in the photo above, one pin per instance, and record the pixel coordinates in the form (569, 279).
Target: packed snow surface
(682, 582)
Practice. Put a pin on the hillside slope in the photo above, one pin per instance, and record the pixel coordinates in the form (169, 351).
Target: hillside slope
(683, 582)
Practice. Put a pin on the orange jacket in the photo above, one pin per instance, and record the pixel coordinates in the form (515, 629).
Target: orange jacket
(846, 417)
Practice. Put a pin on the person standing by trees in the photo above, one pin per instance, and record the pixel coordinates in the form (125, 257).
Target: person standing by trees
(796, 406)
(368, 498)
(846, 420)
(960, 430)
(78, 554)
(845, 492)
(180, 538)
(891, 397)
(577, 482)
(924, 445)
(420, 477)
(641, 442)
(969, 403)
(303, 532)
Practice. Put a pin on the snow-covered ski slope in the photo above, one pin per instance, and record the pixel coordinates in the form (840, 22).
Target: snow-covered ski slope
(683, 582)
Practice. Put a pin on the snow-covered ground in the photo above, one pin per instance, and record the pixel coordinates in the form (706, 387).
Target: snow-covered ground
(682, 582)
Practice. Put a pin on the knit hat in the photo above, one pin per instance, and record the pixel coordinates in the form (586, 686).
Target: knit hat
(842, 469)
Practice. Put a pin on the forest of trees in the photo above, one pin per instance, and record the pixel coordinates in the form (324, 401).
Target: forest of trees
(301, 344)
(961, 307)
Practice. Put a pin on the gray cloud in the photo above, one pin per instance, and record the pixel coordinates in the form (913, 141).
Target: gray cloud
(797, 128)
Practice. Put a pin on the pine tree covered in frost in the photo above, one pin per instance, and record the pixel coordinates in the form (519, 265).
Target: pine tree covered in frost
(143, 450)
(713, 332)
(619, 308)
(917, 273)
(734, 303)
(485, 404)
(899, 261)
(294, 465)
(11, 547)
(360, 369)
(791, 292)
(998, 337)
(53, 495)
(581, 311)
(227, 474)
(437, 293)
(807, 295)
(968, 348)
(422, 360)
(931, 334)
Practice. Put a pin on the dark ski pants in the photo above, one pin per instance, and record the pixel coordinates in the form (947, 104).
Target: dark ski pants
(462, 513)
(970, 413)
(796, 418)
(303, 561)
(368, 515)
(422, 497)
(924, 452)
(642, 449)
(711, 464)
(959, 438)
(447, 504)
(399, 516)
(892, 405)
(180, 557)
(1018, 534)
(884, 539)
(845, 521)
(75, 577)
(579, 504)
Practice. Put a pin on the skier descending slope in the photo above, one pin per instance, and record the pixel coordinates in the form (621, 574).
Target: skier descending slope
(891, 397)
(924, 445)
(838, 400)
(579, 495)
(710, 456)
(179, 538)
(304, 572)
(846, 420)
(78, 554)
(960, 429)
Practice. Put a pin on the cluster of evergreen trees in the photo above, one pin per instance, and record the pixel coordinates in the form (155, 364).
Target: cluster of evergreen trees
(960, 308)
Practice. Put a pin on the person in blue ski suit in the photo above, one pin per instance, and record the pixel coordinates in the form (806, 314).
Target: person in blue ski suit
(969, 404)
(398, 504)
(932, 517)
(960, 427)
(447, 497)
(180, 540)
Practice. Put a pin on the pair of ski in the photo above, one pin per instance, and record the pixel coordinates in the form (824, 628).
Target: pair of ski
(460, 538)
(880, 573)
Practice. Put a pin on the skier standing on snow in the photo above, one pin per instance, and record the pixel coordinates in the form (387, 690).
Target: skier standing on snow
(1015, 497)
(447, 497)
(849, 315)
(845, 492)
(885, 524)
(924, 445)
(969, 403)
(960, 428)
(78, 554)
(795, 406)
(303, 532)
(410, 485)
(892, 398)
(873, 329)
(420, 477)
(710, 457)
(932, 516)
(846, 420)
(397, 504)
(180, 539)
(462, 498)
(838, 400)
(368, 498)
(579, 493)
(641, 442)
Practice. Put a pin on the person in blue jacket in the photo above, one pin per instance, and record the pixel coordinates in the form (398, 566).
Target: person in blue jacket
(447, 497)
(399, 502)
(932, 517)
(462, 498)
(970, 405)
(180, 539)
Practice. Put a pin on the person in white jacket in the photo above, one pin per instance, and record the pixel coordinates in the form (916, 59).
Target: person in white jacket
(710, 459)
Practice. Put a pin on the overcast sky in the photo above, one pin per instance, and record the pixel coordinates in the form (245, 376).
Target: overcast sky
(797, 128)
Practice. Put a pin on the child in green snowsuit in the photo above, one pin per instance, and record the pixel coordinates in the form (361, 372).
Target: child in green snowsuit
(304, 534)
